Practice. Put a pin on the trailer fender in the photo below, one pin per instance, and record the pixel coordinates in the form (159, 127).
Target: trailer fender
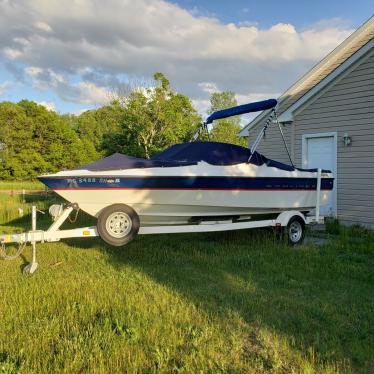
(285, 217)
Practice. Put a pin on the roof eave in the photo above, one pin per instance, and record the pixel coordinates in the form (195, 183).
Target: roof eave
(288, 115)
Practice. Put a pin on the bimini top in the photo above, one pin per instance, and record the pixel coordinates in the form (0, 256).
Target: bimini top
(242, 109)
(184, 154)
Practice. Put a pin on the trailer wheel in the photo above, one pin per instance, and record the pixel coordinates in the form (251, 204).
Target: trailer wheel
(295, 230)
(118, 224)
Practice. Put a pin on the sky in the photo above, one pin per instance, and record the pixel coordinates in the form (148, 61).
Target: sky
(73, 55)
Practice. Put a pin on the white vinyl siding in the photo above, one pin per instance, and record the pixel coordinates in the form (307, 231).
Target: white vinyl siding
(345, 107)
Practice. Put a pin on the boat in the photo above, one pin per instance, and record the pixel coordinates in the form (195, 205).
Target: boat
(189, 183)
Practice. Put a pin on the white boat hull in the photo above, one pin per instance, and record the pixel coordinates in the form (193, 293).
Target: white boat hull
(175, 195)
(164, 207)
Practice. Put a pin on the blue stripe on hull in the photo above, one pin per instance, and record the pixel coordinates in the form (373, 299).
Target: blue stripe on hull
(210, 183)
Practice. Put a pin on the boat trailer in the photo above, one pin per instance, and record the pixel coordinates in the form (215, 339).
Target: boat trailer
(61, 213)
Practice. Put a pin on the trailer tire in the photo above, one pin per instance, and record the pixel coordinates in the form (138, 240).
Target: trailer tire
(118, 224)
(295, 230)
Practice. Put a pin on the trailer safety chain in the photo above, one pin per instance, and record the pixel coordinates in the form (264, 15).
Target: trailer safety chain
(73, 220)
(5, 256)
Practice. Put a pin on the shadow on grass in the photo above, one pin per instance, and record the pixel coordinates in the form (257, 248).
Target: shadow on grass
(318, 298)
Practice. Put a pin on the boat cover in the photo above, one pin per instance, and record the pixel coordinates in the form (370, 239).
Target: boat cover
(214, 153)
(118, 161)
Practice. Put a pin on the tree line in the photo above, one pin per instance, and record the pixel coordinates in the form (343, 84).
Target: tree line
(142, 123)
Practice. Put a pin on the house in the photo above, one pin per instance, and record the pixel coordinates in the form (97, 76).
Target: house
(328, 121)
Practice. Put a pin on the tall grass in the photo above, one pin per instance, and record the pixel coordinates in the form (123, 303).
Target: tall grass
(11, 207)
(21, 185)
(236, 302)
(18, 206)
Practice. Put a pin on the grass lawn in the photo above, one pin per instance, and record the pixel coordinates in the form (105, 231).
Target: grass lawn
(21, 185)
(236, 302)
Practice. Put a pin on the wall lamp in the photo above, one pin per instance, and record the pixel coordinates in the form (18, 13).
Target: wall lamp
(347, 140)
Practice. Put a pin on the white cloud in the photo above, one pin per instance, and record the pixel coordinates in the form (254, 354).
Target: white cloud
(4, 86)
(33, 71)
(247, 23)
(83, 92)
(139, 38)
(201, 105)
(12, 53)
(49, 105)
(92, 94)
(208, 87)
(22, 41)
(43, 26)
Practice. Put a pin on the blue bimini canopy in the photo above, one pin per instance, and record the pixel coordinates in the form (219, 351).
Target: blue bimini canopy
(242, 109)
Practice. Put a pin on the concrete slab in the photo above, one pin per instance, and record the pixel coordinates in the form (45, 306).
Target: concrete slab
(315, 240)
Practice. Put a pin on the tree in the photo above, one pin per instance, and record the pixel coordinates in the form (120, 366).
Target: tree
(34, 141)
(18, 145)
(154, 118)
(93, 125)
(225, 130)
(57, 141)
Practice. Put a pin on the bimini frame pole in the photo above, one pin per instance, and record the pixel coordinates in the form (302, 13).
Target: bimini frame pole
(273, 116)
(261, 134)
(202, 128)
(284, 140)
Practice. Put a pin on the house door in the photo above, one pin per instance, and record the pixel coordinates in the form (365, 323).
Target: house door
(319, 151)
